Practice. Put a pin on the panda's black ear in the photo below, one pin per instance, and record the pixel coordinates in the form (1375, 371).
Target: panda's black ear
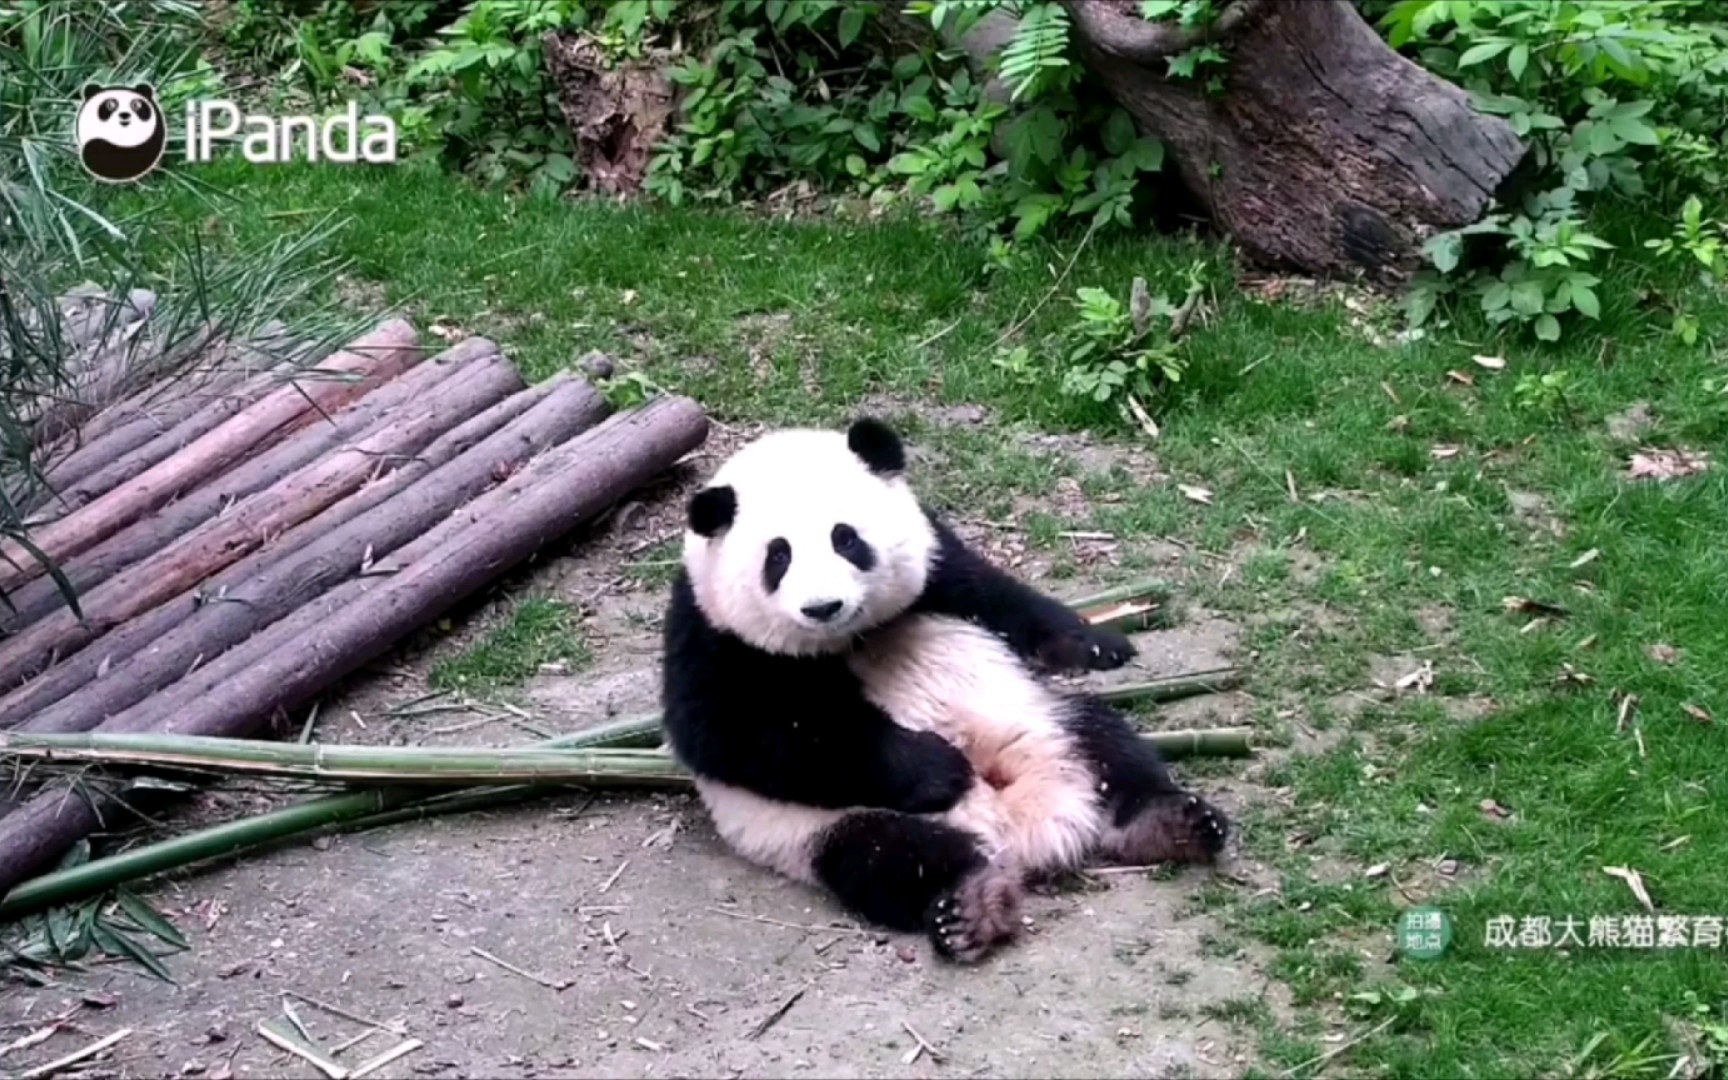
(144, 89)
(712, 510)
(91, 90)
(877, 445)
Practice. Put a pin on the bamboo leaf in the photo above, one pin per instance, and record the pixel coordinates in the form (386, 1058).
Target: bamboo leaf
(150, 919)
(115, 943)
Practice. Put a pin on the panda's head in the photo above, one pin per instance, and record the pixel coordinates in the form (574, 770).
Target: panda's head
(805, 538)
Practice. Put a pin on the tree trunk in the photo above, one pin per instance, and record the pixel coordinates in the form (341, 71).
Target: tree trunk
(150, 652)
(1325, 151)
(295, 659)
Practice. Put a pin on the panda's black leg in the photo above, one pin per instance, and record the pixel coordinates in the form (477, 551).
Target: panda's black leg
(910, 873)
(1151, 818)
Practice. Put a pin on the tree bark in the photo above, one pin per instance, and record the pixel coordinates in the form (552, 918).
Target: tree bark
(152, 651)
(297, 658)
(260, 518)
(373, 359)
(147, 536)
(1325, 151)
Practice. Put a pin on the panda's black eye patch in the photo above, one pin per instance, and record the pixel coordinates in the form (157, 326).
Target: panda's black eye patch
(107, 109)
(852, 547)
(141, 109)
(776, 563)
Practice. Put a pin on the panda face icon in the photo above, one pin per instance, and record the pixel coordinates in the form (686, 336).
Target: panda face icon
(121, 132)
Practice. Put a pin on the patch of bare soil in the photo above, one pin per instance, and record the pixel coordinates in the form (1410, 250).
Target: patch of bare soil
(637, 944)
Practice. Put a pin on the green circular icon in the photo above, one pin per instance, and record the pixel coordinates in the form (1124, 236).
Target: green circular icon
(1424, 933)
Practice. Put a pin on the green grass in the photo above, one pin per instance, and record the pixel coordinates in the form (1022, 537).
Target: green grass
(537, 632)
(804, 322)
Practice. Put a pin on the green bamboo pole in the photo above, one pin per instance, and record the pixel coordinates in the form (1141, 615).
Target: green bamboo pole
(354, 810)
(1138, 606)
(418, 765)
(1173, 687)
(385, 806)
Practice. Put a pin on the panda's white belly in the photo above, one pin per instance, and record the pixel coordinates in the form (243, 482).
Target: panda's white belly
(1036, 798)
(1034, 802)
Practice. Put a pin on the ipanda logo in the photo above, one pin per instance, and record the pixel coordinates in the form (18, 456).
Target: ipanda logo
(122, 132)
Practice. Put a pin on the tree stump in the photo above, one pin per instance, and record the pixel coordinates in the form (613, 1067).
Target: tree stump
(617, 114)
(1324, 151)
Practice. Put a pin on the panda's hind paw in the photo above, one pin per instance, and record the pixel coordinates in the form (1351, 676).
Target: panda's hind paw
(975, 916)
(1178, 827)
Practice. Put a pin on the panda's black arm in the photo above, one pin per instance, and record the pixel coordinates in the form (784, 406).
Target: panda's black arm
(1038, 627)
(835, 757)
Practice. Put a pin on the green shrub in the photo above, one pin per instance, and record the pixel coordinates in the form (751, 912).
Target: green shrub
(1626, 105)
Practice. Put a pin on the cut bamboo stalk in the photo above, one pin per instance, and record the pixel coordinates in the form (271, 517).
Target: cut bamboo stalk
(373, 359)
(152, 651)
(265, 514)
(147, 536)
(228, 838)
(295, 659)
(379, 807)
(1172, 688)
(437, 765)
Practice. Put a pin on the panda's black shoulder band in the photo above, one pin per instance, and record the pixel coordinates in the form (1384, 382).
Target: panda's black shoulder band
(877, 445)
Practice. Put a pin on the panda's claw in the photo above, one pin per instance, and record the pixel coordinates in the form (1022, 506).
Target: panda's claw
(1087, 648)
(978, 914)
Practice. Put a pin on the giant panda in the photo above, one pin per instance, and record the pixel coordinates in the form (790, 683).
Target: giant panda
(863, 701)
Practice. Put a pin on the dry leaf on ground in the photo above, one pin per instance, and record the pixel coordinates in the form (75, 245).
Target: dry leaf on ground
(1655, 464)
(1634, 881)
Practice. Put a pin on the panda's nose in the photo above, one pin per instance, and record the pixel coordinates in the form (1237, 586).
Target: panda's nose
(823, 612)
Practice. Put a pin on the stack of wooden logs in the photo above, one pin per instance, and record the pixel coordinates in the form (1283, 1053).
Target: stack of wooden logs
(237, 552)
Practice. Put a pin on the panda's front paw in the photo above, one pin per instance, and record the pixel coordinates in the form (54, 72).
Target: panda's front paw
(977, 915)
(1087, 648)
(1178, 827)
(939, 775)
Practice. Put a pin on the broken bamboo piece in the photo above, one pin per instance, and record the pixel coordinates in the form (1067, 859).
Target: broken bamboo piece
(246, 527)
(152, 651)
(293, 660)
(149, 535)
(373, 359)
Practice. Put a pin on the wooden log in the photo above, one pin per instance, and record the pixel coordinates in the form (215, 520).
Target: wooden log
(301, 656)
(256, 520)
(104, 335)
(138, 424)
(271, 348)
(374, 359)
(149, 535)
(99, 481)
(152, 651)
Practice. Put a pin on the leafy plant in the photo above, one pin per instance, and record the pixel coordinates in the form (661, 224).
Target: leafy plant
(1620, 101)
(1112, 352)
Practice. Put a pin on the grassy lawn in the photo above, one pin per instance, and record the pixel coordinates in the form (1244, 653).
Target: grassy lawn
(1378, 511)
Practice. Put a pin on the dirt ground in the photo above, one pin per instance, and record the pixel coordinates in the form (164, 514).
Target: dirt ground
(641, 946)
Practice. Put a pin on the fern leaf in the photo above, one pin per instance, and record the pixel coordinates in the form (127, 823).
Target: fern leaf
(1039, 47)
